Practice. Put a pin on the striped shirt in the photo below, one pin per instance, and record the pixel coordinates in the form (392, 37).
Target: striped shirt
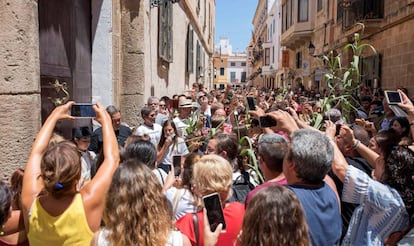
(381, 210)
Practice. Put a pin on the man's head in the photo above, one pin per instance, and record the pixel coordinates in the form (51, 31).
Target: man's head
(82, 137)
(154, 103)
(115, 116)
(148, 115)
(224, 145)
(271, 152)
(309, 157)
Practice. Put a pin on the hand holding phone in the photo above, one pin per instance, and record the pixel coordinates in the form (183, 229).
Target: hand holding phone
(82, 110)
(214, 209)
(267, 121)
(251, 102)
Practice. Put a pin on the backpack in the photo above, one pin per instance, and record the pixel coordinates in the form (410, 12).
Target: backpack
(241, 188)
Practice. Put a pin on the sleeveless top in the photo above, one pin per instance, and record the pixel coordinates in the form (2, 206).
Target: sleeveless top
(68, 228)
(175, 238)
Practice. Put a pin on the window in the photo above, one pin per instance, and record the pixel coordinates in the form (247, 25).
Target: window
(222, 71)
(284, 18)
(243, 64)
(299, 60)
(320, 5)
(165, 43)
(267, 57)
(339, 11)
(274, 25)
(198, 60)
(273, 54)
(190, 50)
(361, 10)
(243, 77)
(232, 77)
(303, 10)
(232, 64)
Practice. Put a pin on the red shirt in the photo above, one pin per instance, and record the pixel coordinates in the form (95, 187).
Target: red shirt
(233, 215)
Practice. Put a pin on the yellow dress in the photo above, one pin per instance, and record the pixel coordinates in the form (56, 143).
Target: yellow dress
(68, 228)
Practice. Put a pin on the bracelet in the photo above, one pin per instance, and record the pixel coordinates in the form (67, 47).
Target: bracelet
(356, 144)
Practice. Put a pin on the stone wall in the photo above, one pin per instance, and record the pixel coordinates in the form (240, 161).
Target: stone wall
(19, 82)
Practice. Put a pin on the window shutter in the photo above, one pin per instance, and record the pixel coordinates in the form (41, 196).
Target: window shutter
(190, 50)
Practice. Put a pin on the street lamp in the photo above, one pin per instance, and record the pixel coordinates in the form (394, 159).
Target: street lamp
(311, 48)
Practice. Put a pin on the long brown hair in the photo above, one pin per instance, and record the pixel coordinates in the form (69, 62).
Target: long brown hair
(61, 168)
(274, 217)
(163, 138)
(136, 212)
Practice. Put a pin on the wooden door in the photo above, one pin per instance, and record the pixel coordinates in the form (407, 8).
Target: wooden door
(65, 55)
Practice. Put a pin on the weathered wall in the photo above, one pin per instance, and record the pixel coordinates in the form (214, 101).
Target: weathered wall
(19, 82)
(132, 60)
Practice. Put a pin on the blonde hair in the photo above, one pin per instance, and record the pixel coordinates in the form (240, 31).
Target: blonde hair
(213, 173)
(136, 211)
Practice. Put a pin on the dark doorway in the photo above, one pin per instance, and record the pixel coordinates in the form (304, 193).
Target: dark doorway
(65, 55)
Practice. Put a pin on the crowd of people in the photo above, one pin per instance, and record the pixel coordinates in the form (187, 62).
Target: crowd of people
(348, 183)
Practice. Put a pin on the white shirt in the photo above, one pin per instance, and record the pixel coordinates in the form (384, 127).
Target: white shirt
(153, 132)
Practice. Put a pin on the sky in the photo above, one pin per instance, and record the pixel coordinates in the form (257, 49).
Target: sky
(234, 20)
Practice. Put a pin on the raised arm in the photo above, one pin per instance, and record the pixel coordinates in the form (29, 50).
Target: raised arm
(339, 164)
(32, 183)
(408, 106)
(93, 194)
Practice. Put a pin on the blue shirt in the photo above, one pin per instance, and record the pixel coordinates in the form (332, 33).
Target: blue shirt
(381, 210)
(321, 208)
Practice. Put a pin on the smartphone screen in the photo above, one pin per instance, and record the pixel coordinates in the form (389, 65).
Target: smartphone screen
(393, 97)
(177, 161)
(266, 121)
(177, 164)
(214, 211)
(83, 110)
(251, 102)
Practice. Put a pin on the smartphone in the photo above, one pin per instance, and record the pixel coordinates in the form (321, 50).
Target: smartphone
(214, 209)
(177, 161)
(251, 103)
(266, 121)
(337, 129)
(393, 97)
(82, 110)
(177, 165)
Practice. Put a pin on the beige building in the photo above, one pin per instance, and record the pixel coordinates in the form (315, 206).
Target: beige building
(115, 52)
(255, 50)
(324, 25)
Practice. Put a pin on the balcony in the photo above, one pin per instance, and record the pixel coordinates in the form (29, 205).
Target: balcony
(370, 13)
(297, 35)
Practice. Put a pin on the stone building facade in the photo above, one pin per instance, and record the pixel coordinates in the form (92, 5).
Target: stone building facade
(115, 52)
(329, 25)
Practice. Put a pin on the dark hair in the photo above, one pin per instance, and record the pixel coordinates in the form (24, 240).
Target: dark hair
(227, 143)
(386, 140)
(145, 111)
(61, 168)
(141, 150)
(398, 173)
(163, 138)
(5, 202)
(404, 124)
(272, 149)
(188, 169)
(16, 185)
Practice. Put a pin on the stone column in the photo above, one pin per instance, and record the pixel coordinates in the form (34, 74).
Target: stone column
(20, 105)
(132, 45)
